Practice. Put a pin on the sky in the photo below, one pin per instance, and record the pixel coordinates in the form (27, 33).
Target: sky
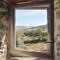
(25, 17)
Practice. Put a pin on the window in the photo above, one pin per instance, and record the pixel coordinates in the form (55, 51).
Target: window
(28, 32)
(31, 29)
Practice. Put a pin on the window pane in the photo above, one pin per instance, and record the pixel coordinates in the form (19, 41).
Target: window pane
(31, 30)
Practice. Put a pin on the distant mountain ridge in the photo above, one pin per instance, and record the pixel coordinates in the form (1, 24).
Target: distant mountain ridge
(42, 26)
(20, 27)
(30, 27)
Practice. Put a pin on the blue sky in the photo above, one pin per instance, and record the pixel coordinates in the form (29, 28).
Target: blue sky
(30, 17)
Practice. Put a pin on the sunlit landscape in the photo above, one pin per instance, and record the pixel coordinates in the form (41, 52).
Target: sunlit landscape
(31, 35)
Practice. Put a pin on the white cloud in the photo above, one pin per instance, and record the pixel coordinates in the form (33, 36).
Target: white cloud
(20, 12)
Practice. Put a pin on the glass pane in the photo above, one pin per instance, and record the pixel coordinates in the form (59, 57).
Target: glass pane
(31, 30)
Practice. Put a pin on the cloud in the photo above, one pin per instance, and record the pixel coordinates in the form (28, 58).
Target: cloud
(21, 12)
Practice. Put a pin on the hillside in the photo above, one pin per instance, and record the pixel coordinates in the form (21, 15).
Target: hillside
(30, 38)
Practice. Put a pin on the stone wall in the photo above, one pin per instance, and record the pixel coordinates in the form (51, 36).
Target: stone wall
(3, 29)
(3, 45)
(57, 29)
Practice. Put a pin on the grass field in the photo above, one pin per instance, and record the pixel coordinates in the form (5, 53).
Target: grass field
(33, 47)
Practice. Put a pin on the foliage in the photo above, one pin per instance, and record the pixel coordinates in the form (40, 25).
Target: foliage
(41, 32)
(32, 38)
(33, 35)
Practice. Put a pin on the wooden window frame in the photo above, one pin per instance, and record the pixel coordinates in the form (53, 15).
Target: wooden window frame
(12, 52)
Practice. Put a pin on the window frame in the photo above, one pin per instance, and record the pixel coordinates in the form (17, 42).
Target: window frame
(11, 41)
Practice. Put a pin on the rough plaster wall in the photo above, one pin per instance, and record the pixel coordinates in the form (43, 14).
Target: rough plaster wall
(57, 29)
(3, 30)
